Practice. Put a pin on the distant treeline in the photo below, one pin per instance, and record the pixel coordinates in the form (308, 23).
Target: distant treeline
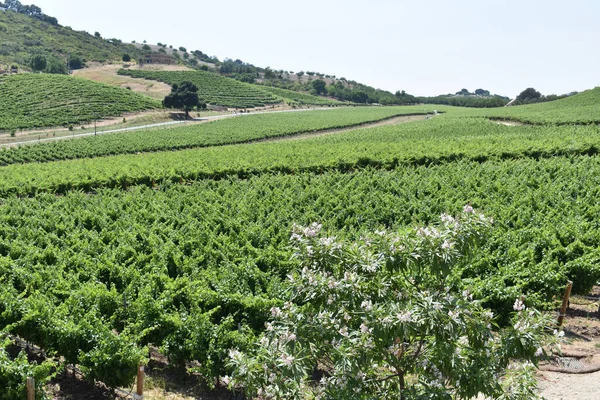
(32, 11)
(466, 101)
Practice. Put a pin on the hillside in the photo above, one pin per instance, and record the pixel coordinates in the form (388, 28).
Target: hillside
(40, 100)
(582, 108)
(212, 88)
(291, 96)
(21, 36)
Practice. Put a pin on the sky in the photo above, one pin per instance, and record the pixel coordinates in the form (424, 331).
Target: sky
(424, 47)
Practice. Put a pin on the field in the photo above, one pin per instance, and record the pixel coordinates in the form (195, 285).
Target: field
(235, 130)
(297, 97)
(43, 100)
(583, 108)
(212, 88)
(179, 238)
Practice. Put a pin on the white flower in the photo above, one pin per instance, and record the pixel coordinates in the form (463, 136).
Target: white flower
(276, 312)
(225, 380)
(539, 352)
(447, 245)
(367, 305)
(364, 328)
(519, 305)
(446, 218)
(405, 316)
(268, 326)
(468, 209)
(343, 331)
(287, 360)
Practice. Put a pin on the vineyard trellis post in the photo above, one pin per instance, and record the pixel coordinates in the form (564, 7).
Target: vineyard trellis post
(139, 393)
(30, 388)
(565, 303)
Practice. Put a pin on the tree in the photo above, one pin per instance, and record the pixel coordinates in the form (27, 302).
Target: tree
(463, 92)
(38, 62)
(76, 62)
(482, 92)
(529, 94)
(97, 34)
(320, 86)
(183, 96)
(384, 318)
(126, 57)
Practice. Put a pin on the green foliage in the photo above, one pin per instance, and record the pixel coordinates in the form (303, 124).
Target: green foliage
(14, 372)
(126, 57)
(212, 88)
(26, 35)
(319, 86)
(529, 94)
(183, 96)
(76, 62)
(380, 319)
(582, 108)
(228, 131)
(37, 100)
(299, 97)
(38, 62)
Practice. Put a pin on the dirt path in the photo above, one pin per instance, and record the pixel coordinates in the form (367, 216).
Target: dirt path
(559, 386)
(391, 121)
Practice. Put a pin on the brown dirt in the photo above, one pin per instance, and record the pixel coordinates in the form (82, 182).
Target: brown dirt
(581, 342)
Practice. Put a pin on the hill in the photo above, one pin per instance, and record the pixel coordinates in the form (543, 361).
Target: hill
(582, 108)
(291, 96)
(40, 100)
(212, 88)
(21, 36)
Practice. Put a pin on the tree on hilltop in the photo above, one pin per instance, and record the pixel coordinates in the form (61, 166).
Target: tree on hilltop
(529, 94)
(185, 97)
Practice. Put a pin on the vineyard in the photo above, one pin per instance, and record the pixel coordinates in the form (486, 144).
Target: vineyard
(300, 98)
(228, 131)
(43, 100)
(212, 88)
(582, 108)
(185, 246)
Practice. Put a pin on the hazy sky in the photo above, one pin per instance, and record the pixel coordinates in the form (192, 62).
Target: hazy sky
(424, 47)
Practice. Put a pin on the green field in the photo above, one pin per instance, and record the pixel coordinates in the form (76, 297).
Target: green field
(43, 100)
(583, 108)
(234, 130)
(301, 98)
(185, 245)
(212, 88)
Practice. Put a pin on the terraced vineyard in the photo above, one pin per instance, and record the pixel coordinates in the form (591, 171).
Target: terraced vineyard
(42, 100)
(212, 88)
(298, 97)
(188, 250)
(233, 130)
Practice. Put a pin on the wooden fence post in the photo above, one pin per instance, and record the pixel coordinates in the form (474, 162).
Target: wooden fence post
(565, 303)
(140, 383)
(30, 389)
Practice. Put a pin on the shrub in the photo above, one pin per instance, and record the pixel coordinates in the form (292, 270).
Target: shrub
(126, 57)
(379, 318)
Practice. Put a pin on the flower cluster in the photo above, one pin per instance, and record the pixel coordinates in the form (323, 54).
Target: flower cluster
(370, 313)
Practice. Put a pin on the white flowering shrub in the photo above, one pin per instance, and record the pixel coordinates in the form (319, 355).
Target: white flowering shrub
(378, 318)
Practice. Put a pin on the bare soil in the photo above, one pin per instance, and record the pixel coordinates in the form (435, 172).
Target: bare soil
(581, 343)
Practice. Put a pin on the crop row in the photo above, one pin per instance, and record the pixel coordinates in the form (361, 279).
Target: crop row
(442, 139)
(212, 88)
(299, 97)
(232, 130)
(195, 269)
(583, 108)
(39, 100)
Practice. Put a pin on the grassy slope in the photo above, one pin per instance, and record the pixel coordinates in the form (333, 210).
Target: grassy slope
(583, 108)
(20, 36)
(212, 88)
(39, 100)
(299, 97)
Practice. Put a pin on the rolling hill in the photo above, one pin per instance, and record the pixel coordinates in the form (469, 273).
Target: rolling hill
(41, 100)
(21, 36)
